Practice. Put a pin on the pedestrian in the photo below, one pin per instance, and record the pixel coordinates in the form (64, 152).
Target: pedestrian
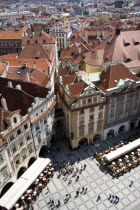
(98, 198)
(77, 193)
(52, 202)
(131, 183)
(112, 200)
(85, 190)
(82, 189)
(79, 159)
(85, 166)
(109, 197)
(59, 203)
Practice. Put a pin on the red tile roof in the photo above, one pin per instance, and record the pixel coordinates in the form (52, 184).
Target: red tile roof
(111, 77)
(76, 88)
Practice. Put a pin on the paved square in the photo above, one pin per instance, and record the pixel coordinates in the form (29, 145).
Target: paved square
(96, 179)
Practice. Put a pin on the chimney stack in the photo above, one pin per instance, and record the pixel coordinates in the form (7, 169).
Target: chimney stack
(18, 87)
(10, 84)
(4, 103)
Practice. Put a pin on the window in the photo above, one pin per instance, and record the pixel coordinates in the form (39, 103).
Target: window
(92, 109)
(81, 120)
(81, 130)
(99, 125)
(84, 102)
(89, 100)
(30, 149)
(23, 154)
(11, 137)
(39, 140)
(91, 127)
(45, 120)
(91, 117)
(1, 158)
(95, 99)
(100, 115)
(81, 111)
(25, 126)
(36, 114)
(17, 162)
(37, 126)
(18, 132)
(14, 149)
(15, 120)
(28, 137)
(101, 107)
(21, 143)
(5, 173)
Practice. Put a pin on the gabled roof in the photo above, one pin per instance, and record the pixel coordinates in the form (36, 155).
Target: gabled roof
(41, 64)
(111, 77)
(76, 88)
(68, 79)
(16, 99)
(42, 37)
(28, 74)
(36, 51)
(9, 34)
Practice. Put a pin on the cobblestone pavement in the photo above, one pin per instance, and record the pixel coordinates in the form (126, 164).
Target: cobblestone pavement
(98, 182)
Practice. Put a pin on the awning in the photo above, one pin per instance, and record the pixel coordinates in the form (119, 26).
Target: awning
(23, 183)
(122, 150)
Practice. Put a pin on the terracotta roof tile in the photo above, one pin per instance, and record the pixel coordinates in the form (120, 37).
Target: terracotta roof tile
(68, 79)
(9, 34)
(76, 89)
(28, 74)
(41, 64)
(111, 77)
(2, 67)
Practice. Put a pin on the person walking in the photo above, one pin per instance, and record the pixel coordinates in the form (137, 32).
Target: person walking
(131, 183)
(85, 166)
(77, 193)
(109, 197)
(85, 190)
(59, 203)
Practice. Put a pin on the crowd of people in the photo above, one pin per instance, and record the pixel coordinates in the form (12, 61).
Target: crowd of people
(32, 194)
(123, 164)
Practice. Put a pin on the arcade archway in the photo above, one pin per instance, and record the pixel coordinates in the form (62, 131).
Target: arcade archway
(20, 172)
(97, 137)
(83, 141)
(110, 133)
(121, 129)
(31, 161)
(6, 188)
(43, 151)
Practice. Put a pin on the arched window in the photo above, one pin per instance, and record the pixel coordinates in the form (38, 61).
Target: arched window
(15, 120)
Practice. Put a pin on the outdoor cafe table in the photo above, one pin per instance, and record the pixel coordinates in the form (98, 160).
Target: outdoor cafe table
(123, 150)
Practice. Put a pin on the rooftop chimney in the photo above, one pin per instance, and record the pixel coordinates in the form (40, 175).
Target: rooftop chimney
(118, 31)
(18, 87)
(10, 84)
(4, 103)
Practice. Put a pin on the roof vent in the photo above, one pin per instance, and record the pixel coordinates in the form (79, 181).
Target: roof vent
(115, 81)
(31, 77)
(18, 72)
(104, 80)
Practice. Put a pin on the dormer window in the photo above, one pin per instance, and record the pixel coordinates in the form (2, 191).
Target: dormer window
(15, 120)
(18, 132)
(72, 54)
(28, 41)
(36, 41)
(128, 60)
(126, 44)
(44, 40)
(136, 43)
